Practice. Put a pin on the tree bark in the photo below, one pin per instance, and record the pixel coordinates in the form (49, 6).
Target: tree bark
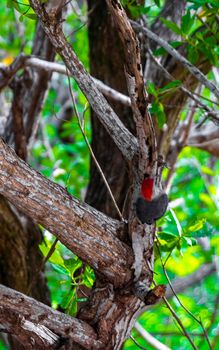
(88, 233)
(38, 326)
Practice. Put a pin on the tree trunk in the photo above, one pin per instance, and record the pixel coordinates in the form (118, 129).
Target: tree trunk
(107, 64)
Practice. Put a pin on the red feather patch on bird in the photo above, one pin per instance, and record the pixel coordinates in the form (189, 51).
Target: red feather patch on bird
(147, 189)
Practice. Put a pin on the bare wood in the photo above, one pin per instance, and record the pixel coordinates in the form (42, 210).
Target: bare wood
(124, 140)
(87, 232)
(38, 326)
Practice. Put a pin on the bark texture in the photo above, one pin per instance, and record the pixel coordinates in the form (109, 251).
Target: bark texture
(37, 326)
(88, 233)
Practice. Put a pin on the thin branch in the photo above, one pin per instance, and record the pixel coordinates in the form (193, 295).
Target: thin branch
(90, 234)
(60, 68)
(150, 339)
(181, 284)
(82, 128)
(40, 268)
(188, 65)
(179, 301)
(179, 323)
(136, 343)
(124, 140)
(179, 334)
(37, 63)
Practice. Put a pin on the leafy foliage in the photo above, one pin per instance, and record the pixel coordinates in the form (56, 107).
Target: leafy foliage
(61, 154)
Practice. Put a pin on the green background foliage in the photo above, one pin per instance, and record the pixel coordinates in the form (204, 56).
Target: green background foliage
(195, 181)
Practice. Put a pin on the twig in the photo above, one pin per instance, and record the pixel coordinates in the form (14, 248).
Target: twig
(179, 323)
(136, 343)
(43, 262)
(173, 333)
(91, 151)
(206, 98)
(150, 339)
(213, 318)
(188, 65)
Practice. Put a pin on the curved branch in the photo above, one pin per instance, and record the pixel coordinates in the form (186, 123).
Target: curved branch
(87, 232)
(124, 140)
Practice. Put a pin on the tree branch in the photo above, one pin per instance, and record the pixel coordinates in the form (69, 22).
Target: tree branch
(120, 134)
(209, 111)
(207, 139)
(88, 233)
(135, 82)
(156, 344)
(188, 65)
(38, 63)
(39, 326)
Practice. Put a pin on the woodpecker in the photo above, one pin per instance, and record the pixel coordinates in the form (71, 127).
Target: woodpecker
(152, 203)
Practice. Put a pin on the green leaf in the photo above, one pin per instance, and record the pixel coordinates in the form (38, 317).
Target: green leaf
(158, 109)
(32, 16)
(21, 18)
(187, 22)
(173, 85)
(193, 54)
(208, 201)
(89, 277)
(171, 25)
(145, 10)
(72, 265)
(197, 225)
(208, 171)
(178, 225)
(168, 241)
(189, 241)
(60, 269)
(151, 89)
(200, 228)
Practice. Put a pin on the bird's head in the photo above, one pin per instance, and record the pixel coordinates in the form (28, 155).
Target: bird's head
(147, 188)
